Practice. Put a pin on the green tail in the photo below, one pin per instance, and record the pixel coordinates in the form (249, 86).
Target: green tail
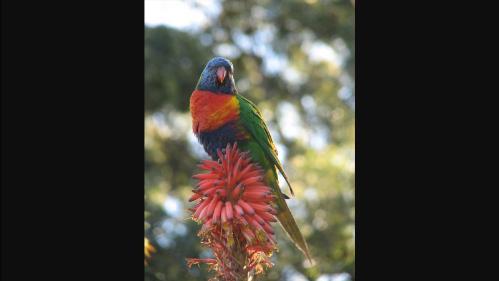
(288, 223)
(283, 213)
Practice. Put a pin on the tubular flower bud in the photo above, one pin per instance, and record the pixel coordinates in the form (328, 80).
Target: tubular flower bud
(233, 204)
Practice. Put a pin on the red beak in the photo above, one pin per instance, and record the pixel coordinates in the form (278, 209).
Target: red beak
(221, 72)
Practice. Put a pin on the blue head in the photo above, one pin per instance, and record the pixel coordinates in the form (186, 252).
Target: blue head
(217, 77)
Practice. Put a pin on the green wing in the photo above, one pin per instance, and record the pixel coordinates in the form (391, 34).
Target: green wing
(251, 119)
(253, 122)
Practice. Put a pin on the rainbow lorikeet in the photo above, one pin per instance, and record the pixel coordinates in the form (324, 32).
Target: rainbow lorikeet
(221, 116)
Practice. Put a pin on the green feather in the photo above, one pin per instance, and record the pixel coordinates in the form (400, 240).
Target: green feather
(263, 151)
(253, 122)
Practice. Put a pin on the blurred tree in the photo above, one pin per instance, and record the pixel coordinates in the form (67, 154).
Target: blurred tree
(172, 59)
(295, 60)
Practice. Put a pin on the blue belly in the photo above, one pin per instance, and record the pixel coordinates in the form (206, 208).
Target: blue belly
(219, 138)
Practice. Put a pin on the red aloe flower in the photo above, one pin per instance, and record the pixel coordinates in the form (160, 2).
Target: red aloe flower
(234, 206)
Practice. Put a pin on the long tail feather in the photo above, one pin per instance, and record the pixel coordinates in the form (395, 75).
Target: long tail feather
(289, 225)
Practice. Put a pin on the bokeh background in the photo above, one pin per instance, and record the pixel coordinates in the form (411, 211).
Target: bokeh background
(295, 60)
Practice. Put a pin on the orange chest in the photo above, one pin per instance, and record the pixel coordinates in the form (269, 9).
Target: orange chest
(211, 111)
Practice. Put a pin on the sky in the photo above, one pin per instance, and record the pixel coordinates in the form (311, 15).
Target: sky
(180, 14)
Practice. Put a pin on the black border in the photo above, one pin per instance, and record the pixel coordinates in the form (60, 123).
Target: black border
(72, 140)
(424, 145)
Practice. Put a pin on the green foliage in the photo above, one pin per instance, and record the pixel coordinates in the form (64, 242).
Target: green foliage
(171, 60)
(308, 106)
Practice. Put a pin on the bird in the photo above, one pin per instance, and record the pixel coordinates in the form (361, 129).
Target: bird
(221, 116)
